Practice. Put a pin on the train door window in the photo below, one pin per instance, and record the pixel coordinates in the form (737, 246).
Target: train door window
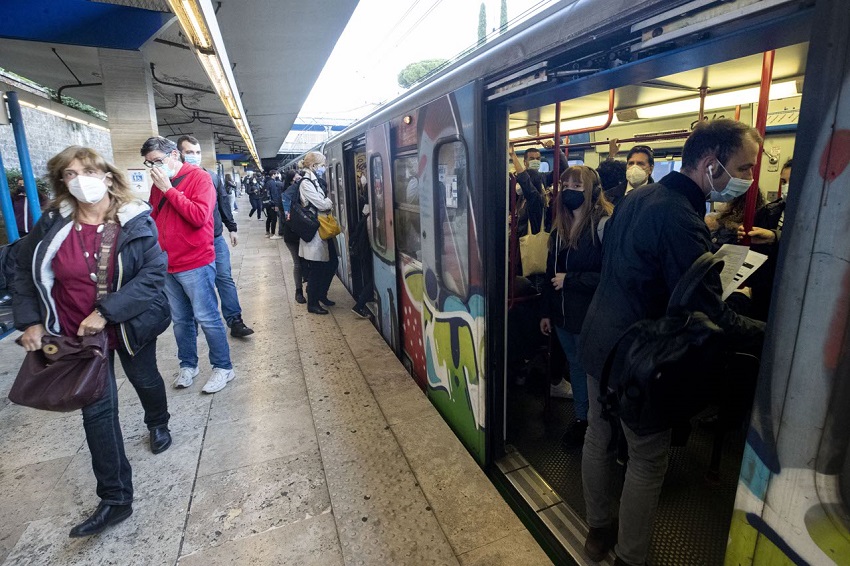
(340, 198)
(452, 230)
(378, 215)
(331, 192)
(664, 166)
(406, 214)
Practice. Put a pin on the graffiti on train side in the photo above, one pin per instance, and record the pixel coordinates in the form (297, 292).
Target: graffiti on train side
(454, 357)
(411, 320)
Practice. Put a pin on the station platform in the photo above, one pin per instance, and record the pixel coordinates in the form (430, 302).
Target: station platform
(322, 451)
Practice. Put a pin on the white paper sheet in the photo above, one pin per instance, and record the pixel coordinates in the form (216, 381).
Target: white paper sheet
(739, 263)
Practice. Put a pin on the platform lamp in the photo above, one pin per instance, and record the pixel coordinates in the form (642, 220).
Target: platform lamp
(199, 24)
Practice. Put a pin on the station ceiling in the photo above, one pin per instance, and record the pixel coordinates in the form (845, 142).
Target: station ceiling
(277, 50)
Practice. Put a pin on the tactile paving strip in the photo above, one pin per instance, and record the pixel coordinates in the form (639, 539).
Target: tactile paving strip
(693, 518)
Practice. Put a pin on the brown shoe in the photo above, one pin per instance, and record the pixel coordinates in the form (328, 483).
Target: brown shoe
(600, 541)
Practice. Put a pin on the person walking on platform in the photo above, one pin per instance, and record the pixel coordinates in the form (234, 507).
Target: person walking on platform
(320, 255)
(270, 187)
(183, 204)
(56, 293)
(653, 238)
(190, 152)
(253, 191)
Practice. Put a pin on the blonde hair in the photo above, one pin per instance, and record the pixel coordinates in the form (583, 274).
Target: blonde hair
(313, 158)
(571, 223)
(119, 193)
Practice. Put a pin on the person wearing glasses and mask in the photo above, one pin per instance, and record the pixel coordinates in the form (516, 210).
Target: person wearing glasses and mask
(183, 199)
(639, 165)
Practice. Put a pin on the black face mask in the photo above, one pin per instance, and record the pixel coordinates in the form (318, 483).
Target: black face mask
(572, 199)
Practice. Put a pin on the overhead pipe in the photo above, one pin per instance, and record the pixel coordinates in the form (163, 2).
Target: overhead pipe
(761, 125)
(81, 85)
(168, 83)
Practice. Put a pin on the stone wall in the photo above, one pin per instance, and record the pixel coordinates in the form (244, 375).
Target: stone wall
(47, 135)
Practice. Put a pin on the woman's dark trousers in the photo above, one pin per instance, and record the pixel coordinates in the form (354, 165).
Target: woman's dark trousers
(271, 220)
(143, 373)
(320, 275)
(103, 435)
(256, 204)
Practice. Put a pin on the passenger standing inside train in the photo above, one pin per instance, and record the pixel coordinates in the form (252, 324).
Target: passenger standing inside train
(320, 255)
(653, 237)
(55, 293)
(361, 251)
(190, 152)
(612, 172)
(640, 163)
(575, 260)
(290, 238)
(183, 204)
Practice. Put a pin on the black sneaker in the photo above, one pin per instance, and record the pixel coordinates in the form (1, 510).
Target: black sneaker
(238, 328)
(362, 312)
(573, 438)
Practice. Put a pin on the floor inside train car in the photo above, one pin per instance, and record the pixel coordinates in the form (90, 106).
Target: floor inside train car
(322, 451)
(693, 515)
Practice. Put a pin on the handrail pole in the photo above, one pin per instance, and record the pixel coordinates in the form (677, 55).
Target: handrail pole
(761, 125)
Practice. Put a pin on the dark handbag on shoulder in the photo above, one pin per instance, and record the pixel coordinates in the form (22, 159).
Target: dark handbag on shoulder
(69, 372)
(303, 220)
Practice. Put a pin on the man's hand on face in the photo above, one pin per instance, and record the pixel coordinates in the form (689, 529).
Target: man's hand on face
(160, 179)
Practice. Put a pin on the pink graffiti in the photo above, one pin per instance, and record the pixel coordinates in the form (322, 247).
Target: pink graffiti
(836, 156)
(833, 349)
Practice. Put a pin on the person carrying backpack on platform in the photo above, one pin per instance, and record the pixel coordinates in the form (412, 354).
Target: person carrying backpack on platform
(653, 238)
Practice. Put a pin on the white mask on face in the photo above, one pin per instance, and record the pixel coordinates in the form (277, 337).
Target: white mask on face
(636, 175)
(534, 164)
(192, 159)
(87, 189)
(734, 188)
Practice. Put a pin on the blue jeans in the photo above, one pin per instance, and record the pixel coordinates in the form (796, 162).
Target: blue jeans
(103, 435)
(191, 296)
(578, 377)
(224, 281)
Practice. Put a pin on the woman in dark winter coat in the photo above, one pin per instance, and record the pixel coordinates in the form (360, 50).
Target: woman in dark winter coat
(573, 267)
(55, 293)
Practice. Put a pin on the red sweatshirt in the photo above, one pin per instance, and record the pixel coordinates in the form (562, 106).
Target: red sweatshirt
(185, 221)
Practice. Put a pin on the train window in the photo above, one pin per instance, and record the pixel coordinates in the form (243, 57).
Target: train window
(452, 230)
(340, 198)
(406, 214)
(378, 216)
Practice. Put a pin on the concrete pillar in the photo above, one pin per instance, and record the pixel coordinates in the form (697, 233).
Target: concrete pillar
(206, 140)
(129, 98)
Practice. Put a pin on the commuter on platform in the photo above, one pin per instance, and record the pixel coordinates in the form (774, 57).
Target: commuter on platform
(290, 238)
(190, 152)
(21, 206)
(253, 191)
(654, 236)
(277, 206)
(183, 199)
(640, 163)
(231, 187)
(320, 255)
(271, 192)
(575, 260)
(55, 293)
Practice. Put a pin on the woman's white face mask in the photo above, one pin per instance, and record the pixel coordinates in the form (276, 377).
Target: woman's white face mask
(86, 189)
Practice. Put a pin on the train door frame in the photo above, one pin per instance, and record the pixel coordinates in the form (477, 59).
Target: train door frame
(350, 149)
(335, 180)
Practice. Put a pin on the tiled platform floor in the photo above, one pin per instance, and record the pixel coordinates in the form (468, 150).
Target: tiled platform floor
(322, 451)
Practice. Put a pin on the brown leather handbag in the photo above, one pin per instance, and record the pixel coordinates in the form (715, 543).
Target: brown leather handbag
(69, 372)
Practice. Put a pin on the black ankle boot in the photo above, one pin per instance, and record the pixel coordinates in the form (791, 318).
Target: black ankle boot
(160, 439)
(104, 516)
(316, 309)
(299, 297)
(327, 302)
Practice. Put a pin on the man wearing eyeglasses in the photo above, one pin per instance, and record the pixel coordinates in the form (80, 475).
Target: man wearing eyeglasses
(183, 210)
(639, 165)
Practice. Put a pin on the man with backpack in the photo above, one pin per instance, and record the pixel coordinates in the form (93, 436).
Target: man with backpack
(653, 238)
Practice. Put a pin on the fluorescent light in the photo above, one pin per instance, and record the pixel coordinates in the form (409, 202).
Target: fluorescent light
(190, 20)
(27, 104)
(717, 101)
(98, 127)
(75, 119)
(50, 111)
(578, 124)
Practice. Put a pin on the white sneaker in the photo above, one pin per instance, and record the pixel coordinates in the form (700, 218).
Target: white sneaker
(184, 380)
(220, 378)
(563, 390)
(276, 237)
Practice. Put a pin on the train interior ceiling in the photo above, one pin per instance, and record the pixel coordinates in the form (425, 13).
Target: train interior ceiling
(696, 505)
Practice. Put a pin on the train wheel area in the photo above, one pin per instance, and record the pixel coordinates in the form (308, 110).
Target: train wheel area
(321, 451)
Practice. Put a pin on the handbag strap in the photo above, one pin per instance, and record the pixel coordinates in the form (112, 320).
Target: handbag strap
(110, 232)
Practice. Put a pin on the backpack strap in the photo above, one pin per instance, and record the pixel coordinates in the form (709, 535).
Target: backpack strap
(692, 278)
(174, 183)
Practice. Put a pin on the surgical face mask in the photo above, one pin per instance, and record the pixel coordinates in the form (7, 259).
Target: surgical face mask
(734, 188)
(320, 170)
(534, 164)
(87, 189)
(192, 159)
(636, 175)
(572, 199)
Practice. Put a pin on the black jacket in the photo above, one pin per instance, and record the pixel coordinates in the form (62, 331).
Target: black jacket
(567, 308)
(616, 194)
(222, 213)
(136, 302)
(653, 237)
(532, 207)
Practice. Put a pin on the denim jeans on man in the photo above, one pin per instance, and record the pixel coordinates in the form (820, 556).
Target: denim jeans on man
(191, 296)
(224, 281)
(644, 477)
(144, 375)
(578, 377)
(103, 435)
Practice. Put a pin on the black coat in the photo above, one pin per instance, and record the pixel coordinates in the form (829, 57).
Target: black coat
(222, 213)
(136, 303)
(567, 308)
(653, 237)
(617, 193)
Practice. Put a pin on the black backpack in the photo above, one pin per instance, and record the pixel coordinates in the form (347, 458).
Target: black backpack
(662, 372)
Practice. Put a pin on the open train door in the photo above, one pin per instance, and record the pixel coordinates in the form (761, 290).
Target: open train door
(381, 234)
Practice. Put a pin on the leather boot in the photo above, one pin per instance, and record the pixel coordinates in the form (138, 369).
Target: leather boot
(160, 439)
(104, 516)
(299, 297)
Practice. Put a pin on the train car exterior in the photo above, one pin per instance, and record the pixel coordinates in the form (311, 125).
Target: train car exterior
(432, 163)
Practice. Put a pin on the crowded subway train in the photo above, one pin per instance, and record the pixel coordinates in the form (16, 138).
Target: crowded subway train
(582, 87)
